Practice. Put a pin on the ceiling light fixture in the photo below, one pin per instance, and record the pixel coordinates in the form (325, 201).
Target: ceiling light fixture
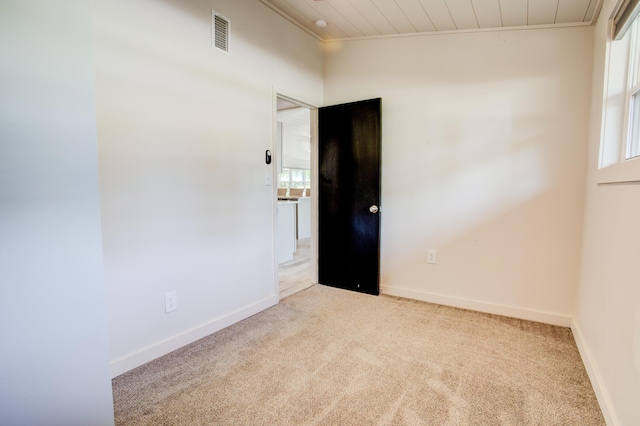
(321, 23)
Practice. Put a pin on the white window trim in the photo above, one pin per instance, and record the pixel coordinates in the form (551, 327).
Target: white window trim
(625, 169)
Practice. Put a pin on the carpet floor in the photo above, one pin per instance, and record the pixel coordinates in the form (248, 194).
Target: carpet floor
(326, 356)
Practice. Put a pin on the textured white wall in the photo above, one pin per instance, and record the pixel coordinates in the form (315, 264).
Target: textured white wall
(608, 311)
(483, 159)
(182, 133)
(54, 361)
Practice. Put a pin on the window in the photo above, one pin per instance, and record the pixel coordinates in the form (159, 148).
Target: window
(633, 93)
(294, 178)
(620, 137)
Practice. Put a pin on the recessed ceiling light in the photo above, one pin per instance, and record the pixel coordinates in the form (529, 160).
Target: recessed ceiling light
(321, 23)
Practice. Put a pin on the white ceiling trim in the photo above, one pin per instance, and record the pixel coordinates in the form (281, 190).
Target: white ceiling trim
(465, 31)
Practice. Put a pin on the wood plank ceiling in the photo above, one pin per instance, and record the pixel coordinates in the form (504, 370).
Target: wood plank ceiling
(374, 18)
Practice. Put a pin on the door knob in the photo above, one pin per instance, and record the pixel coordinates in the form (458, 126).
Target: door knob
(374, 209)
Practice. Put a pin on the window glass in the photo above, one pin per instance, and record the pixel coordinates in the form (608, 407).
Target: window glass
(633, 149)
(297, 178)
(633, 93)
(294, 178)
(283, 179)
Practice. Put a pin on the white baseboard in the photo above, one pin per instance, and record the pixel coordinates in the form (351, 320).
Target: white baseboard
(594, 375)
(476, 305)
(129, 362)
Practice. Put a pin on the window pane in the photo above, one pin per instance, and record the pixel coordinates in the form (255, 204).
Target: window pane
(283, 179)
(633, 150)
(633, 144)
(297, 177)
(634, 59)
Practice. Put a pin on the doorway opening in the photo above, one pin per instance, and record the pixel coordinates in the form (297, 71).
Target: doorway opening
(296, 171)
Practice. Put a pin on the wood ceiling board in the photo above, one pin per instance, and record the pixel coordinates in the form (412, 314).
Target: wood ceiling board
(306, 17)
(367, 18)
(591, 10)
(349, 14)
(487, 13)
(463, 14)
(395, 15)
(334, 17)
(542, 12)
(312, 14)
(439, 14)
(298, 121)
(416, 14)
(571, 10)
(514, 12)
(296, 137)
(284, 104)
(374, 16)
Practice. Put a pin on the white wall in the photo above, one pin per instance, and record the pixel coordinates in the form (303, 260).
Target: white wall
(54, 361)
(608, 313)
(483, 159)
(182, 133)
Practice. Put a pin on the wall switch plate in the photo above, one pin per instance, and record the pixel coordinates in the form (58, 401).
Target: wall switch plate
(170, 302)
(267, 178)
(432, 256)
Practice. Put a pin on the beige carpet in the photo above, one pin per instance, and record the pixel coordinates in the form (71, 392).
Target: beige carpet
(331, 357)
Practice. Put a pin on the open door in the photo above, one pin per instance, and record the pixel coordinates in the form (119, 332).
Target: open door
(349, 140)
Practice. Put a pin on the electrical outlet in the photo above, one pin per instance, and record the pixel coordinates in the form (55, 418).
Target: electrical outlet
(170, 302)
(432, 256)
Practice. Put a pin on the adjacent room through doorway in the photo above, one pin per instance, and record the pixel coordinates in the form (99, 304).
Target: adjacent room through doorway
(294, 221)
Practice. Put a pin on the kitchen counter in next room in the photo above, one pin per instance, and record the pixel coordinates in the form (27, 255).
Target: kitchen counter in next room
(294, 221)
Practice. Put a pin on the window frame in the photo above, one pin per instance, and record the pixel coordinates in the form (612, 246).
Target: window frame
(632, 138)
(615, 165)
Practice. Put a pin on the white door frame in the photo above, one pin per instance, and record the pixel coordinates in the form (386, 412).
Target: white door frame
(275, 149)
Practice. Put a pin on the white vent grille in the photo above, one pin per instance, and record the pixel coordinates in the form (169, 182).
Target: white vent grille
(220, 32)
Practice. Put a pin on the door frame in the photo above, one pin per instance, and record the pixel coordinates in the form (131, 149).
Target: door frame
(275, 149)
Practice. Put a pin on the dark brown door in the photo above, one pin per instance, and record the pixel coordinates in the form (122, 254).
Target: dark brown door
(349, 139)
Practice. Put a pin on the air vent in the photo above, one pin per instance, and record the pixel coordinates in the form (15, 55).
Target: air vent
(220, 32)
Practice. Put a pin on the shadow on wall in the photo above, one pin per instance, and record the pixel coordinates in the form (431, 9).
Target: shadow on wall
(474, 162)
(493, 182)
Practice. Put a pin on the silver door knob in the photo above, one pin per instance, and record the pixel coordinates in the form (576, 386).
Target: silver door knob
(374, 209)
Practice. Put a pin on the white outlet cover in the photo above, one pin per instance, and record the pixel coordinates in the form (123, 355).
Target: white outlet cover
(170, 302)
(432, 256)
